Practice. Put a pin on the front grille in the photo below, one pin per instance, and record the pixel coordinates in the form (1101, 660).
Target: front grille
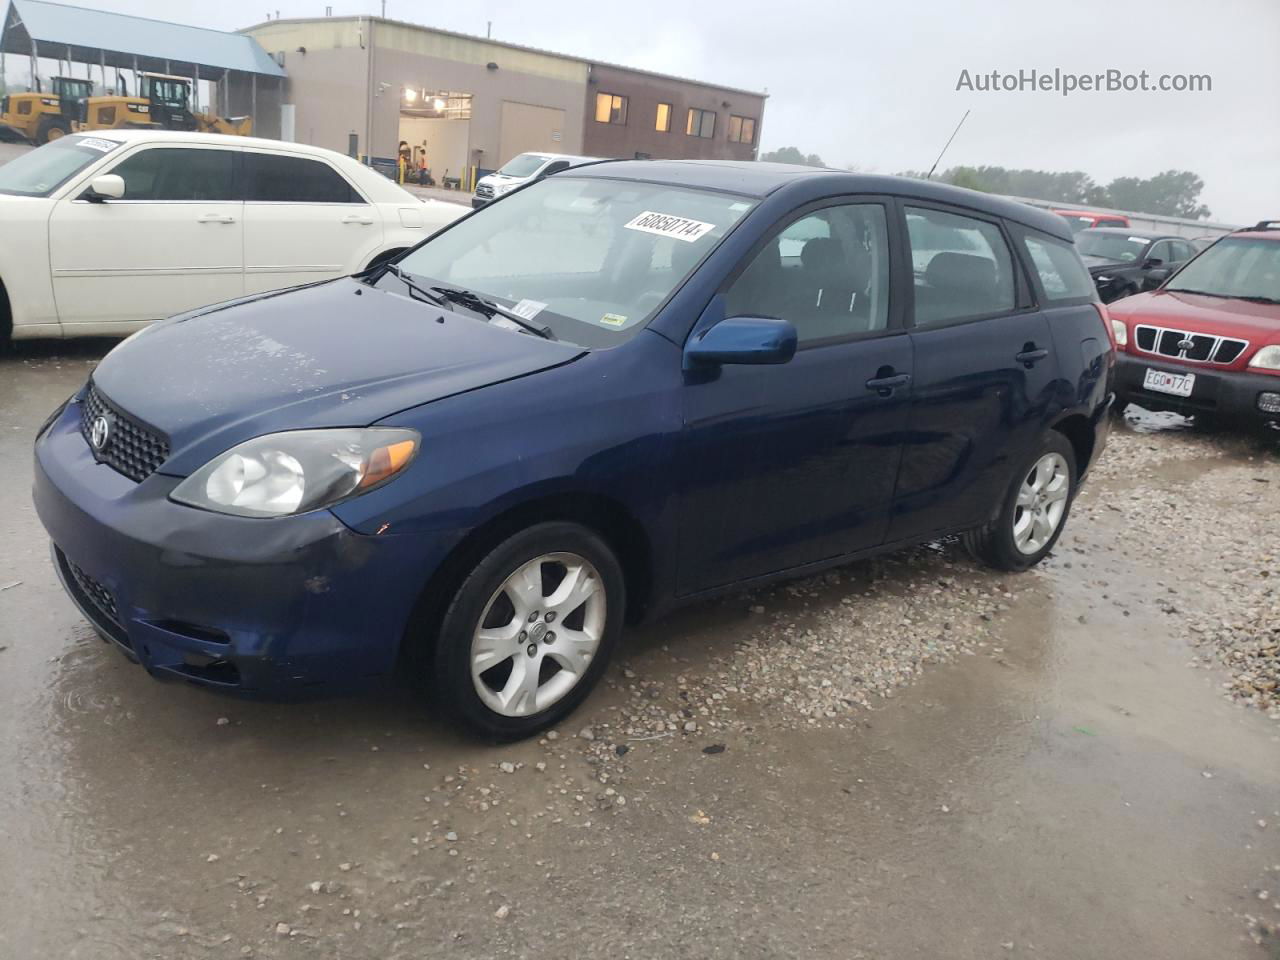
(130, 448)
(1188, 345)
(96, 592)
(484, 190)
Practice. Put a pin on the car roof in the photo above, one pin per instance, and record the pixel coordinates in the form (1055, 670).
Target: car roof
(1089, 213)
(220, 139)
(1140, 234)
(378, 188)
(556, 156)
(755, 178)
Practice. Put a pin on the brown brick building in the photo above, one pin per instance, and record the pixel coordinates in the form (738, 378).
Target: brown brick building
(470, 104)
(634, 113)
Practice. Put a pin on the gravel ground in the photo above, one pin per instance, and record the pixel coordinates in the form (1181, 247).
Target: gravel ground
(909, 756)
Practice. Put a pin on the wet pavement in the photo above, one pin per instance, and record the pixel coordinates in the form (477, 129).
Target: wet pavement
(1046, 765)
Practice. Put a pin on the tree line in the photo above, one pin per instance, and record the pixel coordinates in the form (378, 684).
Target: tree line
(1173, 193)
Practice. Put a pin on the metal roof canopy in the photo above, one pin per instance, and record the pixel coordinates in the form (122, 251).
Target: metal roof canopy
(60, 32)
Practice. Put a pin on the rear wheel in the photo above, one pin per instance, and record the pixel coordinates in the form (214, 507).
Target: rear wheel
(384, 257)
(530, 631)
(52, 128)
(1034, 510)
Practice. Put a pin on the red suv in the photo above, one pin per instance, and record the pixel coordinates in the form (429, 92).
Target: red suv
(1208, 340)
(1087, 219)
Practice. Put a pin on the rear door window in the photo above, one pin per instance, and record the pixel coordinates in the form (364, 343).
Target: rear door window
(178, 174)
(962, 267)
(1062, 275)
(277, 178)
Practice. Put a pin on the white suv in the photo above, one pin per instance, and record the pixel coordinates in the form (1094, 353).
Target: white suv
(521, 169)
(106, 232)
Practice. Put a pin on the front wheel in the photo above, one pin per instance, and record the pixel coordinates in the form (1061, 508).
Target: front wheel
(1034, 510)
(530, 631)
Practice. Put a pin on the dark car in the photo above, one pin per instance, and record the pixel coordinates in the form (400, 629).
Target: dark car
(1207, 342)
(627, 386)
(1123, 262)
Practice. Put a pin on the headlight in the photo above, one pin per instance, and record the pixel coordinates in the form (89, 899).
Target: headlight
(1120, 332)
(1268, 358)
(287, 473)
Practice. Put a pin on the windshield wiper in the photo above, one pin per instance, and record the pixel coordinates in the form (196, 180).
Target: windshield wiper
(479, 304)
(421, 292)
(1203, 293)
(1258, 298)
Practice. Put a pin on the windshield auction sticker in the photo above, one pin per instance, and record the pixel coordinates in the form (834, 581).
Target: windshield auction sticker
(666, 225)
(528, 308)
(96, 143)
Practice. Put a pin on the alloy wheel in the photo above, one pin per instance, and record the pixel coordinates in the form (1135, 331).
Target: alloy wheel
(538, 634)
(1041, 503)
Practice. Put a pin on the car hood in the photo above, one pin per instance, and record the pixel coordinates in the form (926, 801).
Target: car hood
(1256, 322)
(335, 354)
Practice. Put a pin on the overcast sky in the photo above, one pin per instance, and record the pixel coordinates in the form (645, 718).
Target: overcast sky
(874, 83)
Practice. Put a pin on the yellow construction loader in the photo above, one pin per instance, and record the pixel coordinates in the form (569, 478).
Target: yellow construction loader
(40, 116)
(163, 102)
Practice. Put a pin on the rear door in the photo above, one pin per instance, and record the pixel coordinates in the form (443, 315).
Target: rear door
(303, 221)
(984, 371)
(173, 242)
(795, 463)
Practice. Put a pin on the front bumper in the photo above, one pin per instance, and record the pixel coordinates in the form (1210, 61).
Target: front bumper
(1224, 393)
(271, 607)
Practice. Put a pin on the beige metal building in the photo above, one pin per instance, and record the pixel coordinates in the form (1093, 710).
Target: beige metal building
(362, 85)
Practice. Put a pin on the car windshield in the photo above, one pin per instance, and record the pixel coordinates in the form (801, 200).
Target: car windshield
(1243, 268)
(591, 259)
(525, 165)
(40, 172)
(1118, 247)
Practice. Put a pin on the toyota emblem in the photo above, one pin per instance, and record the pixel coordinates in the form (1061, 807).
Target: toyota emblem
(1185, 345)
(100, 433)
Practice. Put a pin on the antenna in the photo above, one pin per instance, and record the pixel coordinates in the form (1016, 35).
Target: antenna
(929, 175)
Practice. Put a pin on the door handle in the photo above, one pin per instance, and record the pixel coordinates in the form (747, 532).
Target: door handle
(355, 218)
(1031, 355)
(215, 218)
(885, 385)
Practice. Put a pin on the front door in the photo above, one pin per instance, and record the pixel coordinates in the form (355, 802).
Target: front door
(984, 372)
(795, 463)
(172, 243)
(303, 222)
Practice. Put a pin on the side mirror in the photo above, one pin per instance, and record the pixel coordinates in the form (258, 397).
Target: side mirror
(1150, 262)
(744, 340)
(109, 186)
(1158, 276)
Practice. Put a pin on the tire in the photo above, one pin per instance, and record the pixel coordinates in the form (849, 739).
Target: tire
(51, 128)
(998, 543)
(475, 681)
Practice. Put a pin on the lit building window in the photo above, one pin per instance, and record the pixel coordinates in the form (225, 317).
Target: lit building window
(663, 124)
(702, 123)
(742, 129)
(611, 108)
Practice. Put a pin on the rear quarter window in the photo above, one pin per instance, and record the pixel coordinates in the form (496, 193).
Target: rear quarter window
(1062, 274)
